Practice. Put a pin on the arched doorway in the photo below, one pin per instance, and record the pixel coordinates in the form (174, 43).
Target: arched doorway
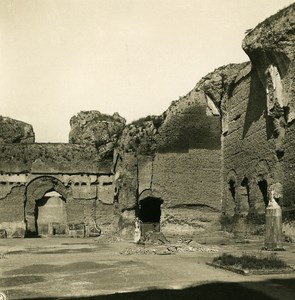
(150, 214)
(50, 214)
(41, 213)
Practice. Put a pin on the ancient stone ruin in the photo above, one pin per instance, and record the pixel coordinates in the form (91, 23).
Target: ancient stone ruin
(207, 163)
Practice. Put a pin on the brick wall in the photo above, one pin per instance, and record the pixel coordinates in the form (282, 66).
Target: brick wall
(248, 150)
(191, 178)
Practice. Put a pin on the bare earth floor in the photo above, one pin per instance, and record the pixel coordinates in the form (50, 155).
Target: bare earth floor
(60, 268)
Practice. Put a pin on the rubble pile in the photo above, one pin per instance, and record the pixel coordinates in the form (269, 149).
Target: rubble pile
(182, 246)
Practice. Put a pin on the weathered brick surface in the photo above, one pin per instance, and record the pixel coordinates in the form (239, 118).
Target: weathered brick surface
(12, 206)
(179, 178)
(52, 158)
(177, 156)
(289, 168)
(246, 144)
(189, 125)
(258, 137)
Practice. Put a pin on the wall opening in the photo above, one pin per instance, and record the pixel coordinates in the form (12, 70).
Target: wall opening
(50, 214)
(150, 214)
(231, 198)
(150, 209)
(232, 189)
(39, 189)
(263, 189)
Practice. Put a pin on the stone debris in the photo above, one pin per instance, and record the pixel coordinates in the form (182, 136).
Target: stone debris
(183, 246)
(108, 238)
(195, 247)
(154, 238)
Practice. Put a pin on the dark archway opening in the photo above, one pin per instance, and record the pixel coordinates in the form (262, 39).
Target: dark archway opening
(150, 214)
(150, 210)
(231, 207)
(263, 188)
(232, 189)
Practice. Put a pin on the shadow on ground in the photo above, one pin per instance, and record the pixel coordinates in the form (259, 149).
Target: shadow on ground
(219, 290)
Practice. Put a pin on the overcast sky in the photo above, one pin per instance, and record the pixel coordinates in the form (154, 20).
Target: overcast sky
(58, 57)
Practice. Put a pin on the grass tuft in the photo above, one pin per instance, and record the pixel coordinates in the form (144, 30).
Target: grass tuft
(251, 262)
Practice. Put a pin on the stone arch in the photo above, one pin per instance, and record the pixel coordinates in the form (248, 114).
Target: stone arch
(35, 190)
(146, 193)
(231, 186)
(150, 210)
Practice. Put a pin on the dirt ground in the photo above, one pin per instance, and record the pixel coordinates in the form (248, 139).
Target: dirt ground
(58, 268)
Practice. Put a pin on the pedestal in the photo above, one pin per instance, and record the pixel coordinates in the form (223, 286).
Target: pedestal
(273, 224)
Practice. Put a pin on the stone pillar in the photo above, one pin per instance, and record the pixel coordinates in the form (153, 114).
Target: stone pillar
(31, 225)
(273, 224)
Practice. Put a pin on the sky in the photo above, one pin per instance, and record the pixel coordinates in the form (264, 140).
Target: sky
(60, 57)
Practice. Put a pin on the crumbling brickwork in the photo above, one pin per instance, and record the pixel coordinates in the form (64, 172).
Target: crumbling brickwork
(220, 148)
(80, 173)
(258, 136)
(173, 157)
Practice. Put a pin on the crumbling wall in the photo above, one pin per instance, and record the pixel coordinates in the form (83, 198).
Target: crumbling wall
(81, 173)
(175, 156)
(95, 128)
(257, 140)
(188, 179)
(14, 131)
(85, 197)
(248, 155)
(190, 123)
(52, 158)
(12, 210)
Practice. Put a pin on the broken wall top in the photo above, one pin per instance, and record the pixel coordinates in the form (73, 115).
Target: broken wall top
(271, 48)
(274, 35)
(52, 158)
(14, 131)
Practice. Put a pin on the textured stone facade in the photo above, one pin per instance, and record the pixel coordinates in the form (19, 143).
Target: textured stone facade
(218, 151)
(173, 157)
(258, 137)
(80, 175)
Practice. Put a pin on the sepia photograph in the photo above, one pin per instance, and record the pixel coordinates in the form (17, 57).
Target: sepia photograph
(147, 149)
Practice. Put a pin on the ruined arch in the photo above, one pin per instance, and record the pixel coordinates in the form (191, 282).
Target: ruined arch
(149, 206)
(35, 190)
